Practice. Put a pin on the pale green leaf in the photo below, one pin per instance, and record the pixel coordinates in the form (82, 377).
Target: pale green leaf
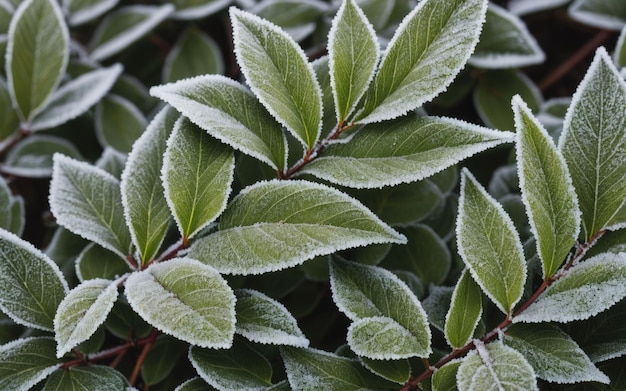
(594, 143)
(298, 18)
(197, 9)
(523, 7)
(197, 175)
(605, 14)
(87, 201)
(619, 56)
(554, 356)
(112, 161)
(586, 290)
(86, 378)
(230, 113)
(25, 362)
(279, 74)
(32, 156)
(465, 311)
(407, 150)
(145, 207)
(489, 245)
(186, 299)
(397, 371)
(427, 51)
(83, 11)
(195, 53)
(9, 121)
(36, 55)
(547, 190)
(82, 311)
(163, 357)
(32, 284)
(353, 51)
(98, 262)
(118, 123)
(277, 224)
(444, 379)
(262, 319)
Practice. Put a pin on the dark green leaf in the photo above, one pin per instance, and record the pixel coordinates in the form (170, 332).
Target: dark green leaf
(25, 362)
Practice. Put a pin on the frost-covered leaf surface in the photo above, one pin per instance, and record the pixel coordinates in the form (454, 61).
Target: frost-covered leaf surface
(384, 311)
(186, 299)
(489, 245)
(87, 201)
(276, 224)
(279, 74)
(429, 48)
(547, 190)
(82, 311)
(32, 284)
(25, 362)
(606, 14)
(262, 319)
(195, 53)
(436, 305)
(32, 156)
(86, 378)
(194, 384)
(444, 379)
(465, 311)
(586, 290)
(407, 150)
(197, 9)
(554, 356)
(522, 7)
(83, 11)
(197, 176)
(298, 18)
(594, 143)
(230, 113)
(118, 123)
(112, 161)
(12, 213)
(98, 262)
(397, 371)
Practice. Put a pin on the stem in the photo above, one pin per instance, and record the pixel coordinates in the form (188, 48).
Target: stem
(142, 357)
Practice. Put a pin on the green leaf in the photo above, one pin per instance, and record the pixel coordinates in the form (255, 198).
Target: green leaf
(83, 11)
(299, 18)
(547, 190)
(195, 53)
(163, 356)
(397, 371)
(277, 224)
(353, 51)
(279, 74)
(606, 14)
(112, 161)
(554, 356)
(186, 299)
(230, 113)
(86, 378)
(25, 362)
(594, 143)
(495, 367)
(427, 51)
(197, 9)
(588, 289)
(444, 379)
(9, 121)
(380, 12)
(389, 322)
(197, 176)
(32, 156)
(12, 213)
(407, 150)
(264, 320)
(37, 55)
(195, 384)
(436, 305)
(489, 245)
(465, 311)
(312, 369)
(118, 123)
(619, 56)
(122, 319)
(82, 311)
(145, 207)
(33, 285)
(87, 201)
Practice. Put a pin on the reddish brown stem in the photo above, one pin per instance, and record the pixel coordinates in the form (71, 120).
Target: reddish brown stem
(142, 357)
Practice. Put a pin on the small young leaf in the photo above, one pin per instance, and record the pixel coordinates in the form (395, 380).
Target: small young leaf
(98, 262)
(87, 201)
(279, 74)
(118, 123)
(195, 53)
(85, 378)
(465, 311)
(444, 379)
(25, 362)
(588, 289)
(83, 11)
(397, 371)
(489, 245)
(197, 9)
(186, 299)
(277, 224)
(606, 14)
(197, 175)
(594, 143)
(82, 311)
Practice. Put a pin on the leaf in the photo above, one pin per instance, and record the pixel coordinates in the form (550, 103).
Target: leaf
(262, 319)
(76, 97)
(82, 11)
(407, 150)
(82, 311)
(194, 384)
(36, 56)
(97, 262)
(588, 289)
(32, 156)
(547, 190)
(238, 368)
(197, 9)
(444, 379)
(9, 121)
(397, 371)
(123, 27)
(554, 356)
(197, 175)
(279, 74)
(413, 72)
(12, 213)
(312, 369)
(277, 224)
(161, 360)
(464, 313)
(145, 206)
(86, 378)
(593, 142)
(489, 245)
(436, 305)
(87, 201)
(523, 7)
(505, 42)
(606, 14)
(495, 367)
(186, 299)
(33, 285)
(118, 123)
(230, 113)
(383, 309)
(112, 161)
(353, 51)
(25, 362)
(298, 18)
(619, 55)
(195, 53)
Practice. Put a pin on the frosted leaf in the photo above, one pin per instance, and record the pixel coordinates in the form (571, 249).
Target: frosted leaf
(194, 384)
(83, 11)
(398, 371)
(193, 9)
(522, 7)
(194, 53)
(298, 18)
(444, 379)
(12, 213)
(605, 14)
(118, 122)
(25, 362)
(98, 262)
(465, 311)
(86, 378)
(619, 55)
(112, 161)
(382, 338)
(436, 305)
(32, 156)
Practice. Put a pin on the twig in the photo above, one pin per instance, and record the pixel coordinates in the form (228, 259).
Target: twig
(142, 357)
